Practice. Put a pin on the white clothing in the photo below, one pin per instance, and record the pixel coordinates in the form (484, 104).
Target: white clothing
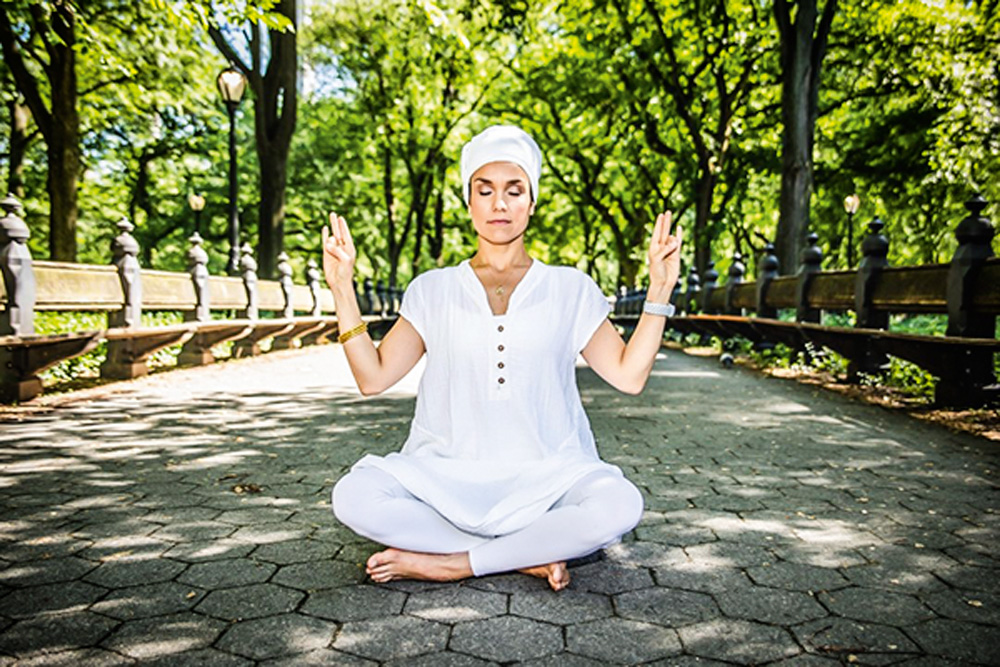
(592, 514)
(499, 434)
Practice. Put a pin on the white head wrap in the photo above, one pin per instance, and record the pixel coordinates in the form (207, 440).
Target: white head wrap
(502, 143)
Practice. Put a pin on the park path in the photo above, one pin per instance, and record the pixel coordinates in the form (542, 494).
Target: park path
(184, 520)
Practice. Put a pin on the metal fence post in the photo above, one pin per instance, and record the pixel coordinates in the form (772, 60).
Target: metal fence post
(18, 316)
(875, 251)
(811, 263)
(975, 246)
(737, 270)
(768, 272)
(711, 284)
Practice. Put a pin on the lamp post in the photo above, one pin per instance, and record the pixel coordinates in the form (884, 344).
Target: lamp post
(197, 204)
(232, 84)
(851, 204)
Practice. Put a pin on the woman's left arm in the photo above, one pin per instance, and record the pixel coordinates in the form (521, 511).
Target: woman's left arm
(627, 367)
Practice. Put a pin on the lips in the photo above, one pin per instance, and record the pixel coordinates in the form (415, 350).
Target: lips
(498, 222)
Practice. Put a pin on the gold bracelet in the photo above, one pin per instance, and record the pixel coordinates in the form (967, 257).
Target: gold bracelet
(351, 333)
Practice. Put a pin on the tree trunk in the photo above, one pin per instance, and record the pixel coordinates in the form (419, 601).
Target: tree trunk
(803, 46)
(704, 193)
(275, 111)
(20, 116)
(271, 210)
(63, 142)
(389, 198)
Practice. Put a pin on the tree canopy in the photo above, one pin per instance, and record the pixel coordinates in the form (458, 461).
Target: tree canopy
(751, 120)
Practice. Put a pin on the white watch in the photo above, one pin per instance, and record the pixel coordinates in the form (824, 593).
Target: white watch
(665, 309)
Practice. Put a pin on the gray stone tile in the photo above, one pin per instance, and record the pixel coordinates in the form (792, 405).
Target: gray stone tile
(273, 636)
(53, 545)
(561, 608)
(149, 600)
(645, 554)
(674, 534)
(163, 636)
(963, 605)
(506, 639)
(288, 553)
(495, 583)
(119, 573)
(317, 575)
(125, 547)
(446, 659)
(454, 604)
(729, 554)
(354, 603)
(254, 516)
(391, 638)
(742, 642)
(706, 578)
(50, 598)
(88, 657)
(206, 657)
(842, 637)
(52, 633)
(208, 550)
(876, 606)
(321, 657)
(797, 577)
(49, 571)
(271, 533)
(194, 531)
(226, 573)
(250, 601)
(617, 640)
(769, 605)
(664, 606)
(970, 578)
(610, 578)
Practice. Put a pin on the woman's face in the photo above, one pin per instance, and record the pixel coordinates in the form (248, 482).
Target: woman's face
(500, 202)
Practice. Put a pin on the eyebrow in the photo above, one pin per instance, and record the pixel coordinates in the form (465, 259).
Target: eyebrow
(514, 181)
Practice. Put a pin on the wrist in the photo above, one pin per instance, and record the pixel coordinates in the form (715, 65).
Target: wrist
(658, 293)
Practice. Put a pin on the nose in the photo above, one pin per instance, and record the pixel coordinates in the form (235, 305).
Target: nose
(499, 203)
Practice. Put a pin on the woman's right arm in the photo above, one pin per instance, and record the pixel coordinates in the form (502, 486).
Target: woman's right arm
(375, 369)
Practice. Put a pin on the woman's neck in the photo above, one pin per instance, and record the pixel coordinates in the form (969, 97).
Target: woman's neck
(501, 258)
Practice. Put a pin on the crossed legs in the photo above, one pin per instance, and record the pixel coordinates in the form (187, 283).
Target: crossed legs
(424, 545)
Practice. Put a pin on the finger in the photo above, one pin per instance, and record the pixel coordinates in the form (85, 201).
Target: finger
(334, 227)
(346, 233)
(326, 239)
(668, 219)
(657, 229)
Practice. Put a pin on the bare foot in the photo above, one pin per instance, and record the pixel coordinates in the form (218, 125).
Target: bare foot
(556, 573)
(393, 564)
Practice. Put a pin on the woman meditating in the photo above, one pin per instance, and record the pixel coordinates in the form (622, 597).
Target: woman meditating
(500, 471)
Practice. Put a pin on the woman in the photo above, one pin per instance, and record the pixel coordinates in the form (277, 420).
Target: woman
(500, 471)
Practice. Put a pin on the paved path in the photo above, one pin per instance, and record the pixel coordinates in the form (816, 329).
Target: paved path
(184, 520)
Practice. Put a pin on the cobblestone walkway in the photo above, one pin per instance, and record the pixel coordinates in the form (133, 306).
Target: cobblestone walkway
(184, 520)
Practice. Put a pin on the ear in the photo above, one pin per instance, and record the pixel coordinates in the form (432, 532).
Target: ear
(531, 210)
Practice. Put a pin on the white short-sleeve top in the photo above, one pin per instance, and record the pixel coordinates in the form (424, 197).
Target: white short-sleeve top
(499, 432)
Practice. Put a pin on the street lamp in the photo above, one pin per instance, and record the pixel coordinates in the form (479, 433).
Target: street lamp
(197, 204)
(232, 84)
(851, 204)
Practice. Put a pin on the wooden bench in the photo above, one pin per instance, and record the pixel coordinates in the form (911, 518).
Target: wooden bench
(299, 314)
(967, 289)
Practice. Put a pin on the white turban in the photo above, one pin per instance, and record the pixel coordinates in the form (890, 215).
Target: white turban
(502, 143)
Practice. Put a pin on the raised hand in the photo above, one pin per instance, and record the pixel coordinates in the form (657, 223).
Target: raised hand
(664, 255)
(339, 254)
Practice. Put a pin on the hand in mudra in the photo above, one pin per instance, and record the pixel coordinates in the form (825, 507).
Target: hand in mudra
(338, 252)
(664, 253)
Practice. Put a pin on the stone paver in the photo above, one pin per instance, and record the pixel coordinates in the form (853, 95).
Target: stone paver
(183, 519)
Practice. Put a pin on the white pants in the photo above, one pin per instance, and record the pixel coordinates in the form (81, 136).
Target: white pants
(594, 513)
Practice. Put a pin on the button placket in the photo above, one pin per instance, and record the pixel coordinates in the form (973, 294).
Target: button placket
(499, 364)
